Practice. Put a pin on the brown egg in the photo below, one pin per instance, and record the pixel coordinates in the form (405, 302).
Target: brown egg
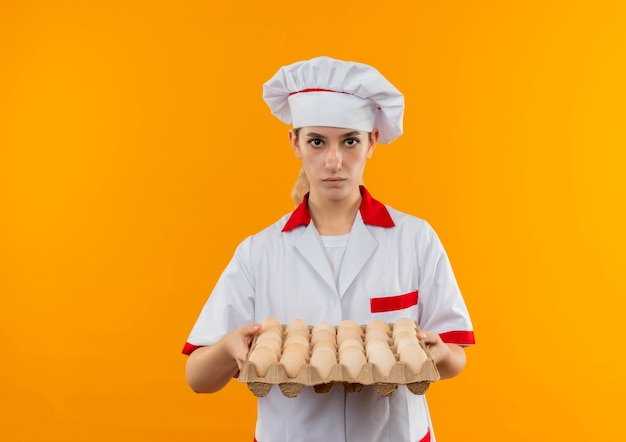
(270, 337)
(376, 334)
(293, 363)
(353, 361)
(296, 338)
(348, 333)
(402, 329)
(349, 323)
(403, 335)
(404, 341)
(298, 331)
(405, 321)
(383, 359)
(298, 348)
(405, 324)
(375, 343)
(378, 324)
(297, 324)
(324, 326)
(262, 358)
(414, 356)
(323, 359)
(271, 328)
(274, 345)
(328, 345)
(271, 322)
(356, 343)
(269, 334)
(323, 336)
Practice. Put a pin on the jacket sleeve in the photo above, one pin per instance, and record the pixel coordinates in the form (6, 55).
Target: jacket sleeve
(230, 304)
(442, 307)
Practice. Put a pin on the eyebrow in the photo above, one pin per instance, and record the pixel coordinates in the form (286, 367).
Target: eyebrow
(348, 134)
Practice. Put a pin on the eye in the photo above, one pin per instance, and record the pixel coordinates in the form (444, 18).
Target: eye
(316, 142)
(352, 142)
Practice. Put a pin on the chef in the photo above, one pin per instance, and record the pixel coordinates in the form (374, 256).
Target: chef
(341, 254)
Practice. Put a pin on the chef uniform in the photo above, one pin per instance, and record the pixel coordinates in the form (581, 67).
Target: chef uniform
(391, 265)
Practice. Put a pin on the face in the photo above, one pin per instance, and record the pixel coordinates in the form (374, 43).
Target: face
(333, 158)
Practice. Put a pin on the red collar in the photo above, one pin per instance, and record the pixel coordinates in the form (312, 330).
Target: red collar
(372, 211)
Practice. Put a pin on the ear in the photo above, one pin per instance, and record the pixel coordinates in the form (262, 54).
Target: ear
(295, 143)
(373, 142)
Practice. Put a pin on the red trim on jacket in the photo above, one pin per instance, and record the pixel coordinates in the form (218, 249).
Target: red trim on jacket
(372, 211)
(392, 303)
(190, 348)
(458, 337)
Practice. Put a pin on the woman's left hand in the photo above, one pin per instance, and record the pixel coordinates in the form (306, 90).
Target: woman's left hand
(449, 358)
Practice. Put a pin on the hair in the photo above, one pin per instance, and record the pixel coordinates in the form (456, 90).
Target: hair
(302, 185)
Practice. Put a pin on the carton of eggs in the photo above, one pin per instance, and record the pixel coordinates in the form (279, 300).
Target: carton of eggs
(297, 355)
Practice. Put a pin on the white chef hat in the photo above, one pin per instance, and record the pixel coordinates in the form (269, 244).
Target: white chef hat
(324, 91)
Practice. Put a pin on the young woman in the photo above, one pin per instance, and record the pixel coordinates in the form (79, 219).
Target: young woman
(339, 255)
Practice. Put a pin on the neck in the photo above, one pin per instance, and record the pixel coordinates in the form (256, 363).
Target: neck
(334, 217)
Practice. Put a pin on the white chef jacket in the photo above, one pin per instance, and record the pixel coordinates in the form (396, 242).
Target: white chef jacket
(394, 266)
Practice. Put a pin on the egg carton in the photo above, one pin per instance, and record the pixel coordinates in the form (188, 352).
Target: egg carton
(308, 376)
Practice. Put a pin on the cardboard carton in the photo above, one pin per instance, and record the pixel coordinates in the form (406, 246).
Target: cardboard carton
(308, 376)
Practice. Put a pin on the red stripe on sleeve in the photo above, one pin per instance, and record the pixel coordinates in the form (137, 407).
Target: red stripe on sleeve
(458, 337)
(190, 348)
(392, 303)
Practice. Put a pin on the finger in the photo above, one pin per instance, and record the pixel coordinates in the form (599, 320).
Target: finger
(429, 338)
(249, 334)
(252, 330)
(240, 364)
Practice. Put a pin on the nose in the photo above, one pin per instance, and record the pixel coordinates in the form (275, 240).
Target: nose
(333, 159)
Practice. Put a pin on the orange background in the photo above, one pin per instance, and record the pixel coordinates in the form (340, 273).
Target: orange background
(136, 152)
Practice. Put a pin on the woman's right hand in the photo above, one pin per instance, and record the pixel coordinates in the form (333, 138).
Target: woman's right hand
(210, 368)
(238, 342)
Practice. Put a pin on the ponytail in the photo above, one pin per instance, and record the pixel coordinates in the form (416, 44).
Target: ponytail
(300, 188)
(302, 185)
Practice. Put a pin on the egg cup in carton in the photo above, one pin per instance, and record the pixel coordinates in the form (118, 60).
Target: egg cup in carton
(297, 355)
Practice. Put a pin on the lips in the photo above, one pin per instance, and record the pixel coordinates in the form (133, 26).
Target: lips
(334, 182)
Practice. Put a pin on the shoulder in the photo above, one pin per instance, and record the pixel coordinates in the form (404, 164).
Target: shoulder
(269, 234)
(405, 221)
(412, 231)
